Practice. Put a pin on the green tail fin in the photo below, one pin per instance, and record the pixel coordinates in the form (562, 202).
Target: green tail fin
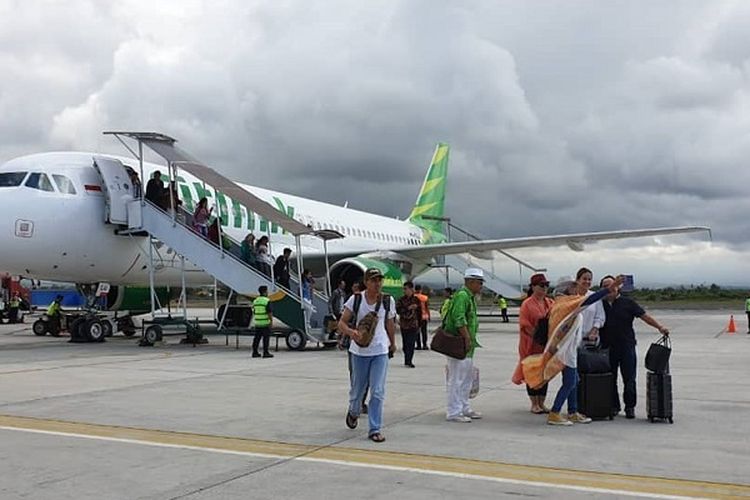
(431, 199)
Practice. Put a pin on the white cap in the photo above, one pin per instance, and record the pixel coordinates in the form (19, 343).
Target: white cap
(474, 273)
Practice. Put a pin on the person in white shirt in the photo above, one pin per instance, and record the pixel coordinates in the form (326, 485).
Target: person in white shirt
(593, 317)
(369, 363)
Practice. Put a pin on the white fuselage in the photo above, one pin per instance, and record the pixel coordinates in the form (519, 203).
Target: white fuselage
(54, 235)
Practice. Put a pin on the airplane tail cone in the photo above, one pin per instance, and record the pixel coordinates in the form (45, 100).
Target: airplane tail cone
(732, 328)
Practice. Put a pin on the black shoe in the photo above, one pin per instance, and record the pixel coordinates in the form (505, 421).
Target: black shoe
(409, 365)
(364, 409)
(630, 413)
(267, 355)
(256, 354)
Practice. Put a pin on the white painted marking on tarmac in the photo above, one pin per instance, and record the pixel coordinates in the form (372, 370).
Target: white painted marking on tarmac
(457, 475)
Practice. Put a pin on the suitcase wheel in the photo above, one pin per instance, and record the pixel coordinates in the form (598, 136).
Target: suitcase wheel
(671, 420)
(611, 417)
(651, 419)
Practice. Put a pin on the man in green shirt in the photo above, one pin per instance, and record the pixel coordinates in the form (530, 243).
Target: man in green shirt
(462, 320)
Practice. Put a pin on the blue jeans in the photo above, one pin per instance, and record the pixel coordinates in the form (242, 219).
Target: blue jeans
(369, 370)
(567, 391)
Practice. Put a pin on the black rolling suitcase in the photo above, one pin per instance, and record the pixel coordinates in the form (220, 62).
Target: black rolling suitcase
(659, 396)
(595, 395)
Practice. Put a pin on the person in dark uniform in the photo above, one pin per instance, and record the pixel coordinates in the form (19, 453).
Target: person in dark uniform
(618, 335)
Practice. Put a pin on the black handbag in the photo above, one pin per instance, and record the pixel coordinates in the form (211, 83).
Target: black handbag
(593, 359)
(657, 356)
(541, 331)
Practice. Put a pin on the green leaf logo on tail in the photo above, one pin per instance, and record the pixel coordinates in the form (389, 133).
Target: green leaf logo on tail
(431, 199)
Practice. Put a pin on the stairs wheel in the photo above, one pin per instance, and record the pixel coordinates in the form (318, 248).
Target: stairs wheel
(296, 340)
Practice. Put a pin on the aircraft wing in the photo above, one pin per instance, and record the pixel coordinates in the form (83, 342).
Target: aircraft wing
(574, 241)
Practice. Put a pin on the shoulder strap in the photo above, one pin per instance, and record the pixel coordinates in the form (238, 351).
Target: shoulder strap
(387, 303)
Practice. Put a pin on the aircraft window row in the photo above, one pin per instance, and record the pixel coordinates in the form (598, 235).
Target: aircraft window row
(40, 182)
(12, 179)
(363, 233)
(64, 184)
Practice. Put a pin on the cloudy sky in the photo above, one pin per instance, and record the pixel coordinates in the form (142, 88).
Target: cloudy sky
(563, 116)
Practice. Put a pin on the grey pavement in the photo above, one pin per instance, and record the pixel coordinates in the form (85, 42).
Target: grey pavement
(300, 397)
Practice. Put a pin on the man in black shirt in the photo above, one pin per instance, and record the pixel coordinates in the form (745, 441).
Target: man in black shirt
(281, 268)
(618, 335)
(155, 189)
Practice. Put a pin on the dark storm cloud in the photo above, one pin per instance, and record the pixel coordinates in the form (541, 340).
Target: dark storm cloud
(560, 120)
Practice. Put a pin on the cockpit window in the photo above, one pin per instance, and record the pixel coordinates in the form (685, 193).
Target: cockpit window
(64, 185)
(11, 179)
(39, 181)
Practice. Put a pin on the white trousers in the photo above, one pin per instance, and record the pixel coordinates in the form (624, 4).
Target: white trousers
(458, 385)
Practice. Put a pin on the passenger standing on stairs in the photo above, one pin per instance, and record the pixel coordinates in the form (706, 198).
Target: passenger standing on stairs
(261, 251)
(201, 216)
(281, 268)
(247, 249)
(155, 189)
(263, 315)
(307, 285)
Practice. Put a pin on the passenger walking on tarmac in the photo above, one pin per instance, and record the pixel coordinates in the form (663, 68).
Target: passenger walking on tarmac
(425, 317)
(503, 305)
(247, 249)
(201, 216)
(263, 316)
(593, 317)
(462, 320)
(534, 309)
(448, 294)
(155, 189)
(281, 268)
(747, 311)
(14, 305)
(337, 300)
(618, 335)
(409, 310)
(369, 361)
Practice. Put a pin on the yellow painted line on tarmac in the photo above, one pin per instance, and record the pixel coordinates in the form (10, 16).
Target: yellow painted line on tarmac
(528, 475)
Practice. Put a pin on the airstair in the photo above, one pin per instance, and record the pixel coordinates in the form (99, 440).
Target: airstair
(491, 281)
(135, 215)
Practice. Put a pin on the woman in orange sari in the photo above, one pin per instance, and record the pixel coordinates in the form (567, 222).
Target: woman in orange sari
(536, 306)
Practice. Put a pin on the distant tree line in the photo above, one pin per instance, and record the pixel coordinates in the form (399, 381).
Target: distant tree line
(692, 292)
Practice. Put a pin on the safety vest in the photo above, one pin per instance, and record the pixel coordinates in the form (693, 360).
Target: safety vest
(260, 311)
(53, 309)
(502, 303)
(14, 303)
(747, 305)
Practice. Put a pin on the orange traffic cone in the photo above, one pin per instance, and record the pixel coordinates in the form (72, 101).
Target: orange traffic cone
(731, 329)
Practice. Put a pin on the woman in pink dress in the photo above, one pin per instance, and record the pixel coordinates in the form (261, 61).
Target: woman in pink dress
(536, 307)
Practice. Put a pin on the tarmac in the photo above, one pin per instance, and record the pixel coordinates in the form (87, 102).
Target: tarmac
(118, 421)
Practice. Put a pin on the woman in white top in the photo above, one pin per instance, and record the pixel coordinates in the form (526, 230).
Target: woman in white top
(593, 317)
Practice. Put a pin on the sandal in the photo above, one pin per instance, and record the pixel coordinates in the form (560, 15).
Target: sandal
(377, 437)
(537, 411)
(351, 420)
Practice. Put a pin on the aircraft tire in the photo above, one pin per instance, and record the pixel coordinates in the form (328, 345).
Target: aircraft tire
(39, 328)
(93, 330)
(296, 340)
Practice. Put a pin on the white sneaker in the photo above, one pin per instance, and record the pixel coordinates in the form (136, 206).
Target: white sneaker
(459, 418)
(474, 415)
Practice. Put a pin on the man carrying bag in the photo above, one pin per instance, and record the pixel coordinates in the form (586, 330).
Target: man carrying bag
(462, 321)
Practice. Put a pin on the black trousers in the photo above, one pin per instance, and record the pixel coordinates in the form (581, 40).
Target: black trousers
(13, 315)
(624, 358)
(422, 335)
(504, 313)
(408, 338)
(748, 321)
(263, 332)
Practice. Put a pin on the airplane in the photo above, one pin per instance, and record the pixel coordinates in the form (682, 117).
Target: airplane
(52, 227)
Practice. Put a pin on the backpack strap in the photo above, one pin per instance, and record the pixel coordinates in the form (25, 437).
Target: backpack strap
(355, 309)
(386, 304)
